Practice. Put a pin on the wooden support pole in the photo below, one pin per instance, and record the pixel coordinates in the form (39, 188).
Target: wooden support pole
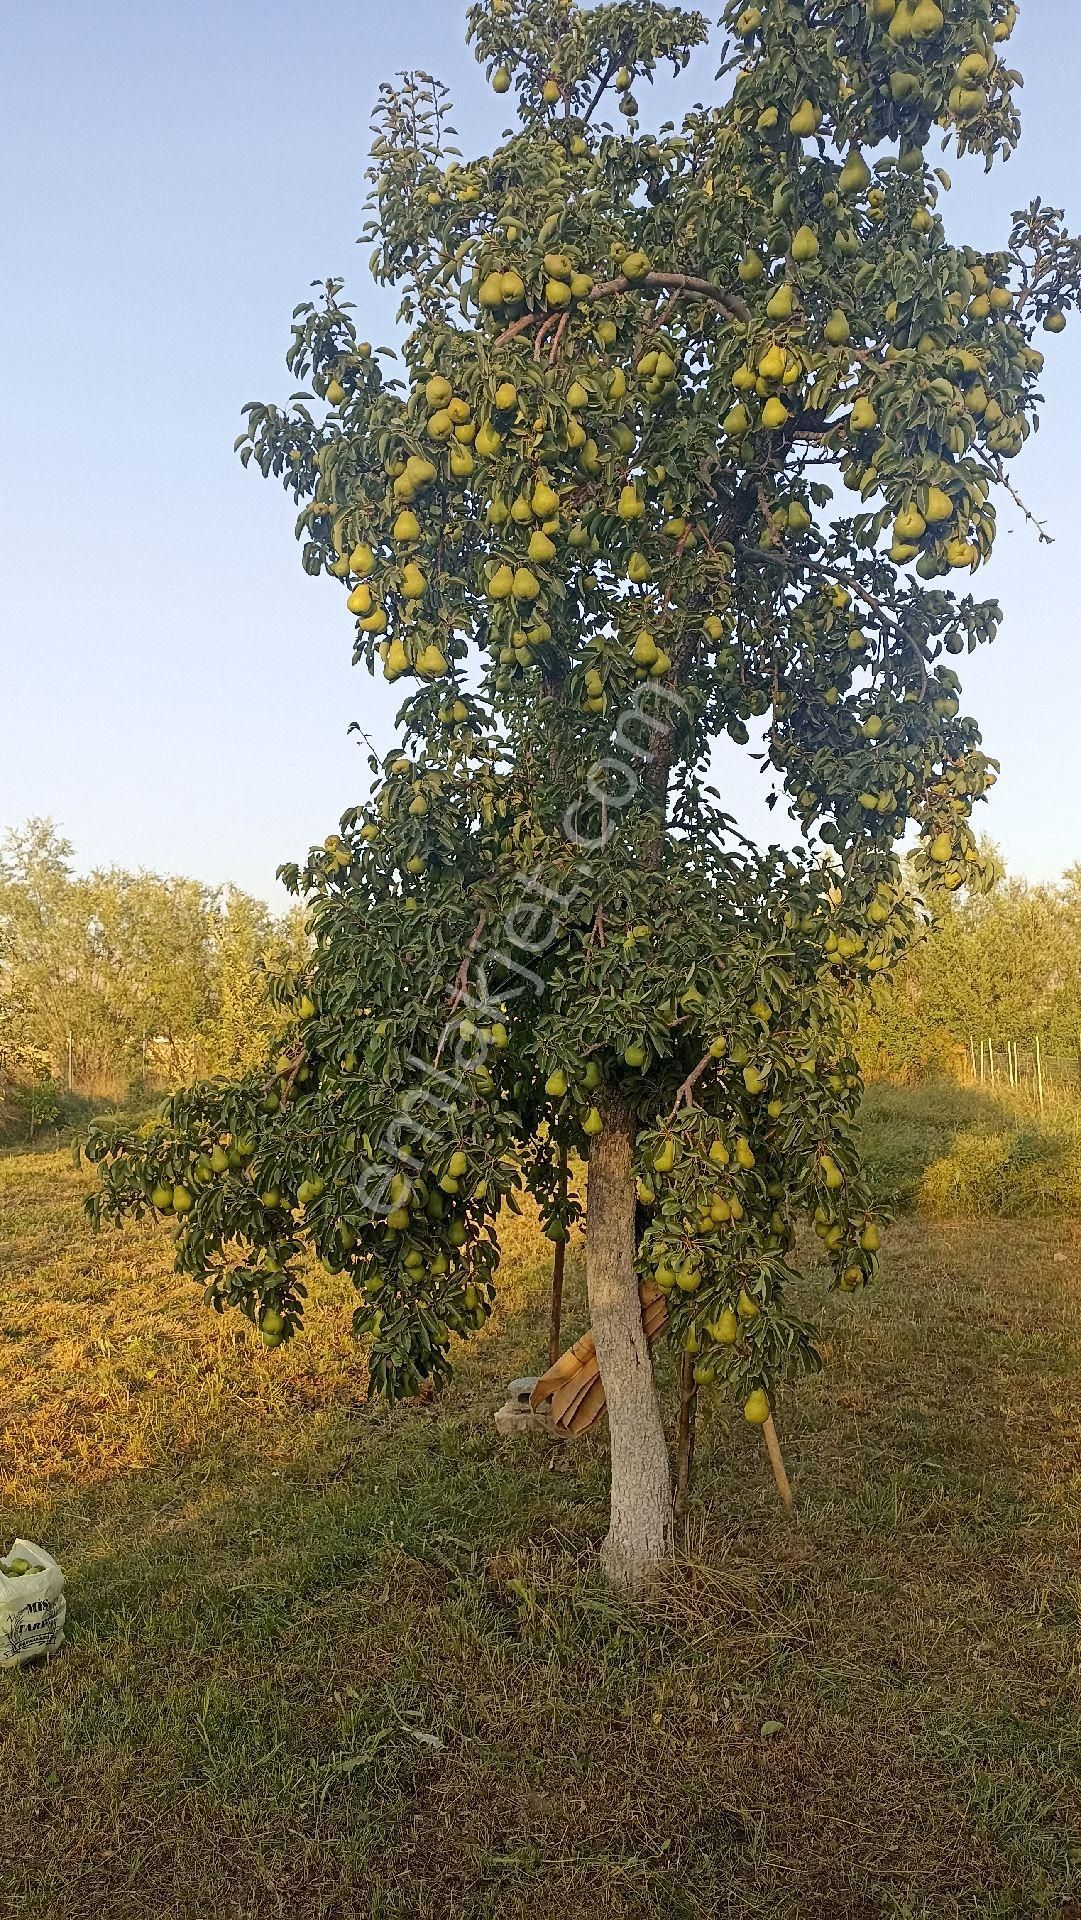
(559, 1265)
(1039, 1072)
(776, 1460)
(688, 1405)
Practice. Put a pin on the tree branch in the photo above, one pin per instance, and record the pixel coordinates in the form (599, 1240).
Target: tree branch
(461, 981)
(685, 1094)
(1048, 539)
(676, 283)
(683, 283)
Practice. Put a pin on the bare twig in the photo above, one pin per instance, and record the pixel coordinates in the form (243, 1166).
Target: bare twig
(461, 982)
(602, 89)
(549, 320)
(557, 341)
(685, 1094)
(1042, 534)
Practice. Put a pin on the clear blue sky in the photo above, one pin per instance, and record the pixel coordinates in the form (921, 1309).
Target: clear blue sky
(174, 691)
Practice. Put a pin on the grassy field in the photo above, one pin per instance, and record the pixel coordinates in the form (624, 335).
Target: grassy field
(324, 1662)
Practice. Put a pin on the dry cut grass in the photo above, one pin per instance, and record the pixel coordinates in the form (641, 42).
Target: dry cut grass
(326, 1663)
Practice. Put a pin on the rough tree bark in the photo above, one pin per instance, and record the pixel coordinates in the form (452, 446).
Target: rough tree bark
(641, 1529)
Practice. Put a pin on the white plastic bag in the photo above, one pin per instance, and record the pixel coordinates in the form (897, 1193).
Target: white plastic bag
(32, 1604)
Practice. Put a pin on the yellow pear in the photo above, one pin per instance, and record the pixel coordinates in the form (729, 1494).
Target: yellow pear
(431, 661)
(909, 526)
(855, 174)
(782, 304)
(805, 120)
(545, 500)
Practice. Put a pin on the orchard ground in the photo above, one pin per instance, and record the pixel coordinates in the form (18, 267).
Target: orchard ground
(326, 1662)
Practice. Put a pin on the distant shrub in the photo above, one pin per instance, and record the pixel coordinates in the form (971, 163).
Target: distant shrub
(40, 1111)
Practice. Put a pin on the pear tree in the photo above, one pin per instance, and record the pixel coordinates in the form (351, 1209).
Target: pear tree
(692, 433)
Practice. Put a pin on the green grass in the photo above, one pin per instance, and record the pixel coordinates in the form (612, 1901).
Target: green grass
(959, 1152)
(326, 1662)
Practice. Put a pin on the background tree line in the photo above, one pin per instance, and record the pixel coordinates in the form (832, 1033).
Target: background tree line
(1003, 969)
(114, 982)
(133, 981)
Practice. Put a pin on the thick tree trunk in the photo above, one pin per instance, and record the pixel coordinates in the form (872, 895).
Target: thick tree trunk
(640, 1535)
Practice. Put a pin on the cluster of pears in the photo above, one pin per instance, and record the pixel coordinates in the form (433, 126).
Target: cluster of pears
(775, 378)
(580, 1084)
(503, 292)
(423, 1277)
(910, 20)
(172, 1192)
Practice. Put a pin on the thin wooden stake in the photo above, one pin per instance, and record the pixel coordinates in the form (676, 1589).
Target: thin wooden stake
(776, 1460)
(558, 1268)
(1039, 1071)
(688, 1404)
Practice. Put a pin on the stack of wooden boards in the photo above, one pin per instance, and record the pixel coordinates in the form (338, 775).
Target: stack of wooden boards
(574, 1385)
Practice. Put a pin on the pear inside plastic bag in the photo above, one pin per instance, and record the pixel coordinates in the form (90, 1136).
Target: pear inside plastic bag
(32, 1604)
